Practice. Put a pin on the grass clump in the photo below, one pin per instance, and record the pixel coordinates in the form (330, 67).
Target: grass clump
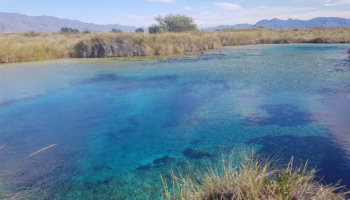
(250, 179)
(178, 51)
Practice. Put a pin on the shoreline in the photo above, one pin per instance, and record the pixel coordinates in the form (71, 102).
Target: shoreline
(149, 58)
(17, 47)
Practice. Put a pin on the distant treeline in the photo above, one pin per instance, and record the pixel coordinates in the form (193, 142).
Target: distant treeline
(168, 23)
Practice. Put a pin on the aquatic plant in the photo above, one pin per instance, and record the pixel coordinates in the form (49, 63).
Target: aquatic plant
(6, 182)
(250, 178)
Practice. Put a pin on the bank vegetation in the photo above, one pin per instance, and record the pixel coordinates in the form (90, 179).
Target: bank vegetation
(33, 46)
(250, 178)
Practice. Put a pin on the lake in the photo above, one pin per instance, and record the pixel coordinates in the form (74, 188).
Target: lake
(118, 125)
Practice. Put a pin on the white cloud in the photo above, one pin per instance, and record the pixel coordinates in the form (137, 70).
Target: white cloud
(227, 6)
(166, 1)
(187, 8)
(341, 2)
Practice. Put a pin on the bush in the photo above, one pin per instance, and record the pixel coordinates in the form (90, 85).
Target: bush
(154, 29)
(31, 34)
(116, 31)
(69, 30)
(86, 31)
(139, 30)
(177, 51)
(176, 23)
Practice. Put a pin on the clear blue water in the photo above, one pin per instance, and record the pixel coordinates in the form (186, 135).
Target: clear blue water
(119, 125)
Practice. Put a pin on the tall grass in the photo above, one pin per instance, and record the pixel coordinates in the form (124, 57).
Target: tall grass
(32, 46)
(250, 179)
(20, 47)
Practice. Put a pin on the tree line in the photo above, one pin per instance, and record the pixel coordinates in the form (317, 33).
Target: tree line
(168, 23)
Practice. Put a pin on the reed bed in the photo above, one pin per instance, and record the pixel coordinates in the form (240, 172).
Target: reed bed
(250, 179)
(20, 47)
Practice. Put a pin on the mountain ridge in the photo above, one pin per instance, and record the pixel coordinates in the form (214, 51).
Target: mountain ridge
(324, 22)
(15, 22)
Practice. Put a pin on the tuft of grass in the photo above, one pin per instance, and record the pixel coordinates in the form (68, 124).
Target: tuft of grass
(250, 179)
(177, 51)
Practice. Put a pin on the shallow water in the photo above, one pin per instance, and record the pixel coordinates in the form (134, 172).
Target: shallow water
(118, 125)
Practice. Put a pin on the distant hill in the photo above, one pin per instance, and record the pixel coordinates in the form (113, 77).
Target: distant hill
(325, 22)
(228, 26)
(13, 22)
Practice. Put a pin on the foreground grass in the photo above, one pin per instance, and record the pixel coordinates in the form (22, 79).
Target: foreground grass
(250, 179)
(20, 47)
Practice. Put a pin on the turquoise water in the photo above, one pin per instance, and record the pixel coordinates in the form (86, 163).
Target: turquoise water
(119, 125)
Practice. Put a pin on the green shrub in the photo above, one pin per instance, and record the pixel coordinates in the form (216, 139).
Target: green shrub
(154, 29)
(139, 30)
(116, 31)
(69, 30)
(31, 34)
(176, 23)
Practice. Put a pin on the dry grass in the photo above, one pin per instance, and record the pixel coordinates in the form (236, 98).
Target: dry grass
(19, 47)
(250, 179)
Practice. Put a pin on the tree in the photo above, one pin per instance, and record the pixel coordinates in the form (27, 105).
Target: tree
(175, 23)
(69, 30)
(116, 31)
(139, 30)
(86, 31)
(154, 29)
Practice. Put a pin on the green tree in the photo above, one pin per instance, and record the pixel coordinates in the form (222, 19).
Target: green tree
(175, 23)
(69, 30)
(154, 29)
(116, 30)
(140, 30)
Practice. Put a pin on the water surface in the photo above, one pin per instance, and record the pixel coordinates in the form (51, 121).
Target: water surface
(119, 125)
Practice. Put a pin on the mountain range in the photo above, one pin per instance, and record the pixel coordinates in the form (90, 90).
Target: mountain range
(324, 22)
(13, 22)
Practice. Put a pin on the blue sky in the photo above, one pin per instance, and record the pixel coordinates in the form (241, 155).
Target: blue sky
(206, 13)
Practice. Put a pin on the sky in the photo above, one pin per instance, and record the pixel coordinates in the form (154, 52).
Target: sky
(206, 13)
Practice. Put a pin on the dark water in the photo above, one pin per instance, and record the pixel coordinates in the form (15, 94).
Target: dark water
(119, 125)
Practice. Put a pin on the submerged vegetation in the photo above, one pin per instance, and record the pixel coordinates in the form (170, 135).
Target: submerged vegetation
(250, 179)
(32, 46)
